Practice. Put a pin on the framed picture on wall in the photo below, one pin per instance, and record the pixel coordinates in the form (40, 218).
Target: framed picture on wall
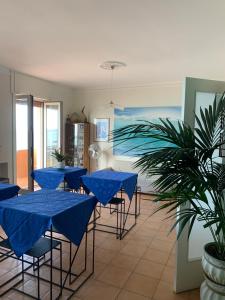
(101, 129)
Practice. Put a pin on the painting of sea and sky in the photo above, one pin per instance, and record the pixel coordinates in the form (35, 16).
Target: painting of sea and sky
(134, 115)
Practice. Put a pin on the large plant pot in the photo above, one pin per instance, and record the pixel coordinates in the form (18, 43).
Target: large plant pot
(213, 288)
(61, 164)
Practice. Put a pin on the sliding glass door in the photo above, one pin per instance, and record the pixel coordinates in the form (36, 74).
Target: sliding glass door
(38, 133)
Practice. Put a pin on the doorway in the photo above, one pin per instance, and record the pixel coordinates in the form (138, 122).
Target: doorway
(38, 133)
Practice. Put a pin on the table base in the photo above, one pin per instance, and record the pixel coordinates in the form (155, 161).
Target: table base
(70, 277)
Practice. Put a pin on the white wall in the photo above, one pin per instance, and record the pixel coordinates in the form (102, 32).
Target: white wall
(6, 136)
(25, 84)
(96, 102)
(12, 83)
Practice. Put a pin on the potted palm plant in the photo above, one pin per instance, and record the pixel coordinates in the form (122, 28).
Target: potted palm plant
(188, 173)
(60, 157)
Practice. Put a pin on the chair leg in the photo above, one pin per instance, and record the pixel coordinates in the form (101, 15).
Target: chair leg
(51, 264)
(135, 204)
(121, 220)
(38, 278)
(124, 211)
(86, 246)
(61, 278)
(70, 276)
(139, 201)
(22, 267)
(117, 224)
(33, 264)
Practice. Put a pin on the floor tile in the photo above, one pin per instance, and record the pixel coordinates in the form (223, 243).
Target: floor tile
(168, 275)
(165, 292)
(113, 244)
(142, 285)
(148, 268)
(125, 261)
(134, 249)
(152, 225)
(156, 255)
(17, 296)
(126, 295)
(99, 268)
(115, 276)
(161, 245)
(171, 261)
(30, 287)
(105, 256)
(96, 290)
(194, 295)
(165, 236)
(141, 239)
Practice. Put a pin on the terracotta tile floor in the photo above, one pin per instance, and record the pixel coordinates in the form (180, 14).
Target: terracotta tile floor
(140, 267)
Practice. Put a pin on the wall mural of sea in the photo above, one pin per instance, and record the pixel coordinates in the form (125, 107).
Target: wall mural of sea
(134, 115)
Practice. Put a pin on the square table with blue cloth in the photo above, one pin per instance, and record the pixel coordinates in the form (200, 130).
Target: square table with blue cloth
(8, 190)
(26, 218)
(104, 184)
(50, 178)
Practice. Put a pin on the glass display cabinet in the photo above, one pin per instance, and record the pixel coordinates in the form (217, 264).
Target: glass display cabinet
(77, 141)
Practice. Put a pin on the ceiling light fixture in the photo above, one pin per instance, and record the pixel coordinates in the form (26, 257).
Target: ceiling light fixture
(111, 66)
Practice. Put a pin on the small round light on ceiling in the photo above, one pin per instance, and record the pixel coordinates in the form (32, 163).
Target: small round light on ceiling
(111, 65)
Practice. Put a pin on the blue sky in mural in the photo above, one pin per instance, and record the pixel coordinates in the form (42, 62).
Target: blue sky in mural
(133, 115)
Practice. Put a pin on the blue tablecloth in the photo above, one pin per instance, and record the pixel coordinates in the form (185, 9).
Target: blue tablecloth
(105, 184)
(8, 190)
(26, 218)
(50, 178)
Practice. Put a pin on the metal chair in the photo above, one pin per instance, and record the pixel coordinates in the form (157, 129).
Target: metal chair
(120, 213)
(119, 209)
(37, 252)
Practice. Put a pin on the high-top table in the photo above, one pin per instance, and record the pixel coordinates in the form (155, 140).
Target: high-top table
(105, 184)
(50, 178)
(26, 218)
(8, 190)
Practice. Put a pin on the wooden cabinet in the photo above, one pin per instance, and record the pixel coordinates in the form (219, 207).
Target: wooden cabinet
(77, 141)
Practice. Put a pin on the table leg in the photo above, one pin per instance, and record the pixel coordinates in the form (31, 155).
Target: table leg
(136, 213)
(51, 264)
(38, 278)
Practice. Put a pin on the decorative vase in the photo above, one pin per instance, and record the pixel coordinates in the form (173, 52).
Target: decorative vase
(213, 288)
(61, 164)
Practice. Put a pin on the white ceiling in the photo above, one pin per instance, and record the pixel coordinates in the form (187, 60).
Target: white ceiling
(159, 40)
